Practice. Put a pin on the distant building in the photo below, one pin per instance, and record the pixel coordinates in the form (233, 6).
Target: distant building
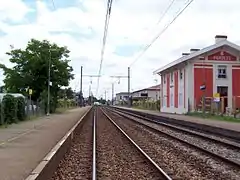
(121, 98)
(151, 93)
(202, 73)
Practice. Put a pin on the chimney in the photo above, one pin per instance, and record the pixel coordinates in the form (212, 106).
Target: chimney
(185, 54)
(194, 50)
(219, 38)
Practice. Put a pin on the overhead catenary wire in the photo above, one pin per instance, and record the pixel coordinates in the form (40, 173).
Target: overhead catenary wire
(161, 32)
(53, 4)
(165, 12)
(107, 18)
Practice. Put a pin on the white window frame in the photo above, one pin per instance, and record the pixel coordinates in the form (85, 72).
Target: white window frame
(222, 72)
(181, 74)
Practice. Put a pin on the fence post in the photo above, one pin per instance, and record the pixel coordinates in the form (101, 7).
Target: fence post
(222, 105)
(234, 105)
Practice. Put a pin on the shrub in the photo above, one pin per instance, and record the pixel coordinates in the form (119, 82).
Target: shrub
(21, 115)
(9, 109)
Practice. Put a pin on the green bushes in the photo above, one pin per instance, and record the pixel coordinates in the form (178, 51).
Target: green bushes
(21, 114)
(12, 109)
(66, 103)
(147, 104)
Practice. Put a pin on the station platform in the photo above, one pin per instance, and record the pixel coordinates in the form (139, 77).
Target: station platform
(235, 126)
(24, 145)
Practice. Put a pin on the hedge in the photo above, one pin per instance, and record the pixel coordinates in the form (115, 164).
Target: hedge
(21, 114)
(12, 109)
(9, 108)
(147, 104)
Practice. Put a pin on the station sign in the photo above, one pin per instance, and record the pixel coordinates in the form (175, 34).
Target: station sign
(216, 97)
(222, 56)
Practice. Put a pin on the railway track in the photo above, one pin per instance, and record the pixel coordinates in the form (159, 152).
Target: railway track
(119, 157)
(216, 146)
(102, 150)
(224, 162)
(234, 141)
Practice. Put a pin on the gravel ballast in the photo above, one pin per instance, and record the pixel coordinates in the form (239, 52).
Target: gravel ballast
(117, 158)
(180, 160)
(77, 162)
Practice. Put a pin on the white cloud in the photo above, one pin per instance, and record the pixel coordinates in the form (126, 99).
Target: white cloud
(13, 10)
(132, 23)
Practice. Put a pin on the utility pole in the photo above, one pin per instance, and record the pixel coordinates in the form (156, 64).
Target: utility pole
(49, 71)
(128, 77)
(81, 94)
(81, 89)
(90, 95)
(129, 100)
(105, 95)
(112, 92)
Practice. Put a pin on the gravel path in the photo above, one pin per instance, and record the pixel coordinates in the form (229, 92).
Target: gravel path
(117, 158)
(77, 162)
(174, 157)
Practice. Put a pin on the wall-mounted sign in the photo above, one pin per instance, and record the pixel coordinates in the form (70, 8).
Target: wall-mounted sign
(222, 56)
(202, 87)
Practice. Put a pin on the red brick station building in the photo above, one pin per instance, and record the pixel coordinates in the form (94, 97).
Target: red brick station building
(202, 73)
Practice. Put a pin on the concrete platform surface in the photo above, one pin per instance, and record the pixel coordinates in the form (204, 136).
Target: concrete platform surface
(221, 124)
(24, 145)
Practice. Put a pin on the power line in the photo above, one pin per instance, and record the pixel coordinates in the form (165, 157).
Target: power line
(163, 15)
(161, 32)
(53, 4)
(107, 18)
(165, 12)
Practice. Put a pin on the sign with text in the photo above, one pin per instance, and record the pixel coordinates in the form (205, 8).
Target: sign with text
(222, 56)
(216, 97)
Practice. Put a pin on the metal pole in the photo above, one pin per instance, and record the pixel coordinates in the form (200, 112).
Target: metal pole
(49, 70)
(81, 99)
(105, 95)
(112, 92)
(129, 103)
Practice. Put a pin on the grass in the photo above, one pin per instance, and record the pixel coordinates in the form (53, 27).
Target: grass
(214, 117)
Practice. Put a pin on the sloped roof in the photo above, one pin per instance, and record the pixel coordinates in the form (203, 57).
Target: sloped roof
(121, 93)
(156, 87)
(197, 53)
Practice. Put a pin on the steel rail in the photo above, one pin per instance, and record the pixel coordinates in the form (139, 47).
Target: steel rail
(229, 161)
(94, 147)
(139, 148)
(184, 130)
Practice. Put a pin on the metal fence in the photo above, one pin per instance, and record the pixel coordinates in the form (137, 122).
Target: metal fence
(34, 108)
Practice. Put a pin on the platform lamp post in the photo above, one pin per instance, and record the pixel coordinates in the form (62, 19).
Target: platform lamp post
(49, 79)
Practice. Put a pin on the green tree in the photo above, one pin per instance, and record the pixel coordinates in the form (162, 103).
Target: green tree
(66, 93)
(30, 69)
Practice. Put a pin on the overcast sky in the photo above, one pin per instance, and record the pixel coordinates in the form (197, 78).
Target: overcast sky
(79, 24)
